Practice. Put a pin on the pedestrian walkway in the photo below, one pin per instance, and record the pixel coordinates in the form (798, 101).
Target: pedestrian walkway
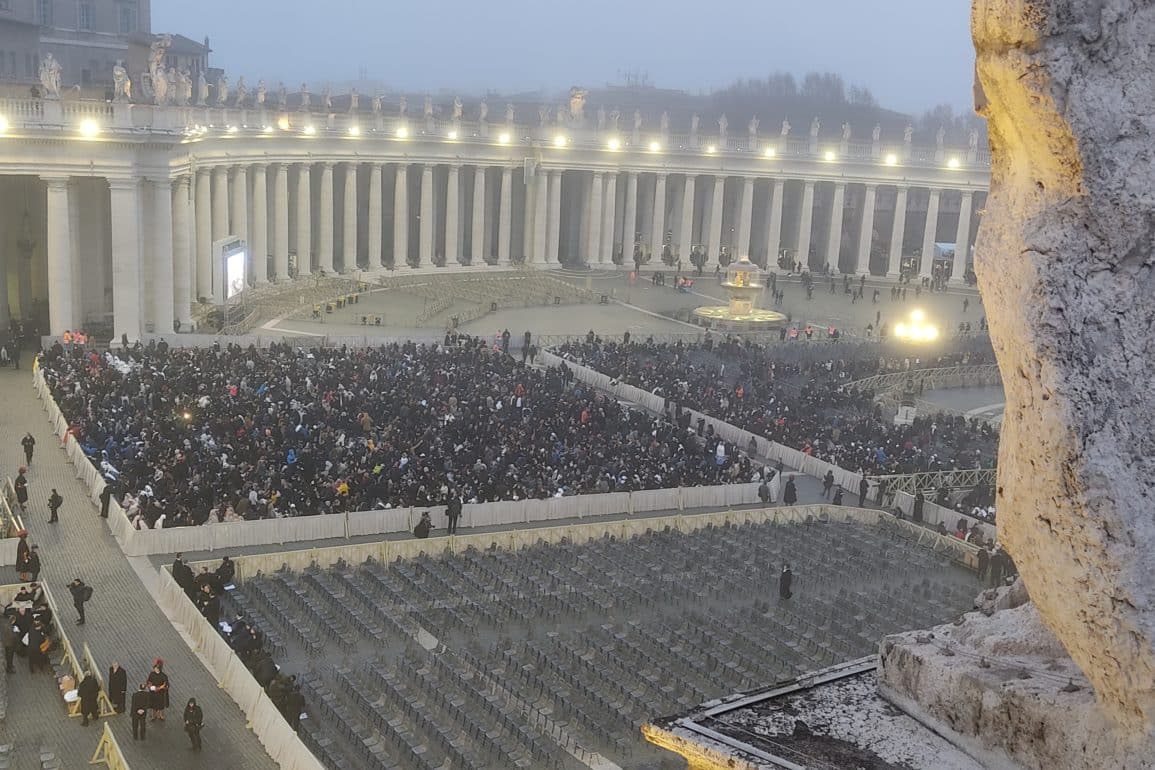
(124, 622)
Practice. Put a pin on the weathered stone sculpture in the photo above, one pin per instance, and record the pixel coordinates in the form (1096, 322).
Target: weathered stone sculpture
(1066, 262)
(121, 84)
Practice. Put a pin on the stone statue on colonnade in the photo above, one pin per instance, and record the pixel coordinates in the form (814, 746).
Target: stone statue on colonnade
(940, 137)
(282, 95)
(262, 93)
(752, 128)
(184, 87)
(305, 97)
(695, 122)
(615, 119)
(637, 120)
(723, 127)
(973, 139)
(376, 104)
(664, 123)
(202, 89)
(458, 108)
(601, 118)
(482, 111)
(121, 84)
(242, 92)
(428, 106)
(543, 115)
(577, 104)
(222, 90)
(815, 125)
(785, 127)
(845, 131)
(876, 133)
(327, 99)
(509, 113)
(402, 106)
(354, 101)
(907, 134)
(160, 86)
(157, 51)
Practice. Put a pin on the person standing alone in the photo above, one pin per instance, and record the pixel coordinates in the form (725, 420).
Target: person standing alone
(141, 699)
(194, 720)
(81, 593)
(29, 444)
(54, 503)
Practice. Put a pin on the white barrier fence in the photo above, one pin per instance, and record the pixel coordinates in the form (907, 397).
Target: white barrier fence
(143, 542)
(274, 733)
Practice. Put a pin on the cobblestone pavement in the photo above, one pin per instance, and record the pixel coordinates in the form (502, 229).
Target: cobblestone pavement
(124, 623)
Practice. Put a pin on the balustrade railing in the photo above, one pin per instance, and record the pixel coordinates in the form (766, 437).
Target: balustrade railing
(199, 120)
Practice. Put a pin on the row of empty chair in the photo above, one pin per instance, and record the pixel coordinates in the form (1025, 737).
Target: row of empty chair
(546, 656)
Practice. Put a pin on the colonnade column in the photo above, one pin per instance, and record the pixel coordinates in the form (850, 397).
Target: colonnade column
(774, 231)
(401, 217)
(304, 220)
(686, 236)
(425, 242)
(962, 246)
(376, 172)
(834, 234)
(630, 226)
(162, 257)
(260, 235)
(59, 252)
(240, 218)
(866, 232)
(897, 233)
(204, 232)
(658, 233)
(452, 204)
(597, 183)
(477, 235)
(325, 233)
(609, 219)
(182, 273)
(746, 219)
(715, 242)
(554, 217)
(505, 216)
(805, 220)
(220, 203)
(124, 196)
(540, 216)
(929, 233)
(281, 222)
(349, 221)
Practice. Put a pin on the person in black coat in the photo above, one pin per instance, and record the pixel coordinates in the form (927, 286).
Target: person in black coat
(183, 575)
(916, 511)
(20, 486)
(838, 495)
(194, 721)
(117, 686)
(141, 699)
(453, 512)
(424, 526)
(29, 444)
(785, 582)
(157, 690)
(790, 494)
(89, 691)
(105, 499)
(863, 487)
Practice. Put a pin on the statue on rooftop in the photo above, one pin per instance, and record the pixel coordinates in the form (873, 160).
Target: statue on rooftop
(814, 127)
(940, 136)
(222, 90)
(121, 85)
(458, 108)
(664, 123)
(695, 122)
(242, 91)
(543, 114)
(282, 95)
(752, 128)
(615, 119)
(845, 131)
(601, 118)
(482, 111)
(327, 99)
(354, 101)
(202, 89)
(723, 126)
(428, 107)
(577, 104)
(402, 106)
(907, 134)
(973, 139)
(262, 93)
(637, 120)
(785, 127)
(376, 104)
(306, 97)
(160, 86)
(876, 133)
(509, 113)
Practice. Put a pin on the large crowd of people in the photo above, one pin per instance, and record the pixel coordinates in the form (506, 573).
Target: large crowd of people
(803, 397)
(201, 435)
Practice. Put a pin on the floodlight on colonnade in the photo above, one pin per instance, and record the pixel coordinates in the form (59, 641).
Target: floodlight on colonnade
(560, 140)
(452, 135)
(829, 156)
(655, 146)
(770, 152)
(503, 137)
(3, 124)
(891, 159)
(402, 132)
(354, 130)
(953, 163)
(89, 128)
(310, 130)
(711, 149)
(614, 144)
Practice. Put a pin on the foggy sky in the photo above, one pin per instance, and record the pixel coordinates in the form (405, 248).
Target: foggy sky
(912, 54)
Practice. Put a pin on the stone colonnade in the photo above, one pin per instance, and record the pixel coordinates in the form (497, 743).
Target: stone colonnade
(341, 217)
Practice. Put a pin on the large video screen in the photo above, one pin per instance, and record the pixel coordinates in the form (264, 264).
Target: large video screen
(235, 273)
